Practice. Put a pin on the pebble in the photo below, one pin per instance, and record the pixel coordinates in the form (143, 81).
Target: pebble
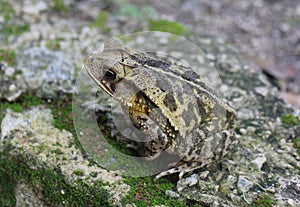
(9, 71)
(204, 174)
(243, 184)
(211, 56)
(172, 194)
(261, 91)
(190, 181)
(259, 161)
(12, 87)
(243, 131)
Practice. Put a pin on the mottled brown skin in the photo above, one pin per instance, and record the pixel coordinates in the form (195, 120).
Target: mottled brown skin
(175, 109)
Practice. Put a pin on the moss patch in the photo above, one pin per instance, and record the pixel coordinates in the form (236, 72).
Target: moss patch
(289, 120)
(297, 144)
(8, 56)
(59, 5)
(55, 190)
(53, 44)
(167, 26)
(145, 192)
(100, 22)
(263, 201)
(9, 26)
(61, 109)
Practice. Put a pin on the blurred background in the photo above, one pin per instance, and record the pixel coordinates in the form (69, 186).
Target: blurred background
(266, 32)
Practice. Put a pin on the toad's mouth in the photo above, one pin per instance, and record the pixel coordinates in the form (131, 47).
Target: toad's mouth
(109, 88)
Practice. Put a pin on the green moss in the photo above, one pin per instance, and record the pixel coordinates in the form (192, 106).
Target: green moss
(263, 201)
(59, 5)
(51, 184)
(167, 26)
(53, 44)
(14, 29)
(296, 142)
(8, 56)
(61, 109)
(24, 102)
(6, 10)
(78, 172)
(9, 27)
(145, 192)
(289, 120)
(100, 22)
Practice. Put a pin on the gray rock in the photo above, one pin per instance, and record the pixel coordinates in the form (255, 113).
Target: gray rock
(25, 196)
(46, 72)
(244, 184)
(259, 161)
(11, 85)
(172, 194)
(187, 182)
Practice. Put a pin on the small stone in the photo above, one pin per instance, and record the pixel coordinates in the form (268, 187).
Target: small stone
(271, 189)
(190, 181)
(261, 91)
(243, 131)
(259, 161)
(243, 184)
(211, 56)
(172, 194)
(251, 129)
(12, 87)
(204, 174)
(291, 202)
(9, 71)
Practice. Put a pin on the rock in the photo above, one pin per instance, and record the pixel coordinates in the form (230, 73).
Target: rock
(32, 137)
(261, 91)
(244, 184)
(25, 196)
(259, 161)
(172, 194)
(46, 72)
(11, 85)
(187, 182)
(9, 71)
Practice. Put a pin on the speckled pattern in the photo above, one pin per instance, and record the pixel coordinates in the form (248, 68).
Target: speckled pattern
(174, 108)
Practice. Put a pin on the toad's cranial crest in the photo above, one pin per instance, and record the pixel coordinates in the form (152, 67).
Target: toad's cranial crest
(170, 103)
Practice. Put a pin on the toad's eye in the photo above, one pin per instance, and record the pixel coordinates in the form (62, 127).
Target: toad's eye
(110, 76)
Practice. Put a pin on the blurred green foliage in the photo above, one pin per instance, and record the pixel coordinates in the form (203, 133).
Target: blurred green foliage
(8, 56)
(100, 22)
(10, 27)
(59, 5)
(167, 26)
